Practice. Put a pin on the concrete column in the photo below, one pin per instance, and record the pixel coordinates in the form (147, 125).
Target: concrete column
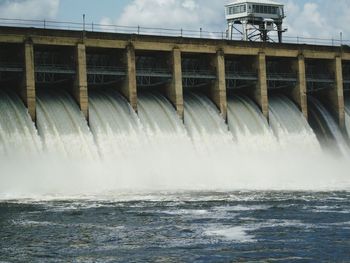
(260, 92)
(129, 89)
(27, 91)
(80, 91)
(336, 94)
(174, 91)
(298, 93)
(218, 89)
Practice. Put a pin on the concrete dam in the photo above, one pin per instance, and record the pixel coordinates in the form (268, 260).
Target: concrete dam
(158, 105)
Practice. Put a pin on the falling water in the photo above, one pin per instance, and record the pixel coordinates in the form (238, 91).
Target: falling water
(347, 115)
(326, 127)
(168, 155)
(290, 126)
(63, 127)
(17, 131)
(249, 126)
(115, 125)
(155, 150)
(205, 125)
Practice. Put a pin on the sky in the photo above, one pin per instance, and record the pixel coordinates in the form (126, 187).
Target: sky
(308, 18)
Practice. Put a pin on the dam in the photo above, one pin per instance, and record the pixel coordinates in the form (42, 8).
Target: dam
(139, 144)
(174, 106)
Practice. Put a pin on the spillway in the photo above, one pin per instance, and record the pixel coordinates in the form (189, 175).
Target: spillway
(161, 124)
(114, 124)
(327, 130)
(248, 125)
(290, 126)
(204, 124)
(18, 135)
(347, 115)
(63, 127)
(155, 150)
(157, 114)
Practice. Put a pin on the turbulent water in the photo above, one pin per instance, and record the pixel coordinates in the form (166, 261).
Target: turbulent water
(17, 132)
(63, 127)
(290, 126)
(146, 186)
(347, 115)
(327, 129)
(180, 227)
(248, 125)
(114, 124)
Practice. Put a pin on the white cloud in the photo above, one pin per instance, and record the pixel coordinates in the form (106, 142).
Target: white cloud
(187, 14)
(29, 9)
(317, 18)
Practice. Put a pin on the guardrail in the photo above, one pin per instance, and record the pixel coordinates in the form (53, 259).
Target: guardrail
(200, 33)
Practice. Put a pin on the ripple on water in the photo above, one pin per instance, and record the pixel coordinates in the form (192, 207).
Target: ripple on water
(236, 234)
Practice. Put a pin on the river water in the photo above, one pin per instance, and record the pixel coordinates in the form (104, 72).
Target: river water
(179, 227)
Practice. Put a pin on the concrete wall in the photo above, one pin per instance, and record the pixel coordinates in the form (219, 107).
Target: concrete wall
(80, 91)
(174, 91)
(175, 46)
(218, 88)
(298, 94)
(334, 97)
(129, 88)
(260, 92)
(27, 89)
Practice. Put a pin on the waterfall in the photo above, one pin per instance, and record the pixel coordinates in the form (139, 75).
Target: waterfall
(154, 149)
(18, 135)
(114, 124)
(205, 125)
(327, 129)
(290, 126)
(249, 126)
(347, 115)
(63, 127)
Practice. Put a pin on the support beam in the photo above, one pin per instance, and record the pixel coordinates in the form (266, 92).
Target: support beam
(298, 93)
(336, 94)
(260, 92)
(218, 88)
(80, 91)
(174, 91)
(27, 91)
(129, 88)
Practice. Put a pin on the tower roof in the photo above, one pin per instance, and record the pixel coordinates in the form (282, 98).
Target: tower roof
(268, 2)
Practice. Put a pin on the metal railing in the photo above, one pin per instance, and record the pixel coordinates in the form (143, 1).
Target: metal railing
(320, 77)
(200, 33)
(11, 67)
(282, 76)
(241, 75)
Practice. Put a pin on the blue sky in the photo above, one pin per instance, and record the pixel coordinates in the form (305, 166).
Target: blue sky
(310, 18)
(95, 10)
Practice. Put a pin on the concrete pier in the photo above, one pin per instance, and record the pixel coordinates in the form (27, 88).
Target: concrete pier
(260, 92)
(298, 94)
(174, 91)
(80, 91)
(129, 87)
(218, 88)
(27, 90)
(336, 93)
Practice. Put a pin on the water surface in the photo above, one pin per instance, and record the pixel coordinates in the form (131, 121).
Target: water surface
(178, 227)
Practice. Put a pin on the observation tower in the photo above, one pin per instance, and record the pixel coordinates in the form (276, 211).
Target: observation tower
(255, 19)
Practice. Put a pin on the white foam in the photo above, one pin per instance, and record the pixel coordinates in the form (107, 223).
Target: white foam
(156, 153)
(236, 233)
